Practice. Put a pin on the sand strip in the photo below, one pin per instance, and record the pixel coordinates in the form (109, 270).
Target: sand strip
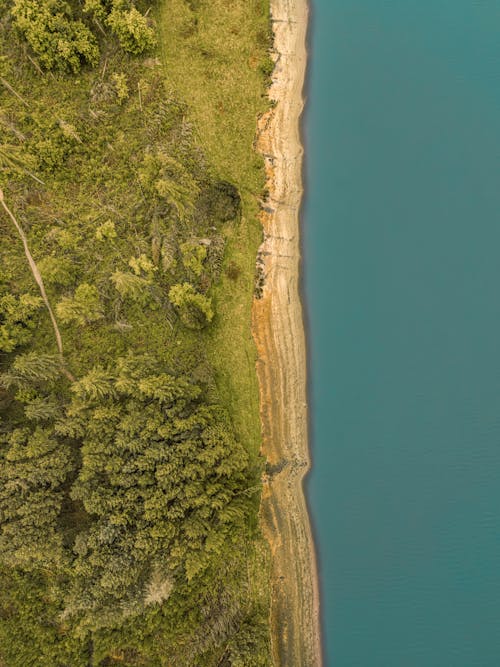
(281, 366)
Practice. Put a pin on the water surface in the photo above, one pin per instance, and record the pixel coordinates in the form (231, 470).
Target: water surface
(401, 236)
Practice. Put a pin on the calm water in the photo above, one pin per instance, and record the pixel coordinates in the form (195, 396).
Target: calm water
(402, 277)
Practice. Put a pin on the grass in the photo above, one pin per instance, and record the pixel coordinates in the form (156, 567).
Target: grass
(215, 55)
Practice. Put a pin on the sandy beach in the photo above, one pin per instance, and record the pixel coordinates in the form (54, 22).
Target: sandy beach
(279, 334)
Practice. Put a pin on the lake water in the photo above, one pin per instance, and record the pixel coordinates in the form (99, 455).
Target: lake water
(401, 240)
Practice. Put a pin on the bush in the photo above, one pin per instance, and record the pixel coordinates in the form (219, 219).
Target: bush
(129, 285)
(96, 8)
(193, 256)
(195, 309)
(164, 177)
(233, 271)
(106, 231)
(220, 202)
(59, 41)
(57, 270)
(132, 30)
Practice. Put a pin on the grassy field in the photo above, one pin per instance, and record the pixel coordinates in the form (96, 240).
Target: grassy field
(216, 56)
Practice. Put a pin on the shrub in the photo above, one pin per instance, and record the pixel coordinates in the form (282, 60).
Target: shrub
(132, 30)
(220, 202)
(142, 264)
(120, 85)
(106, 231)
(233, 271)
(57, 270)
(193, 256)
(96, 8)
(59, 41)
(164, 177)
(195, 309)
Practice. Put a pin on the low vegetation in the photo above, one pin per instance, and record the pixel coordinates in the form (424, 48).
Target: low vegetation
(129, 432)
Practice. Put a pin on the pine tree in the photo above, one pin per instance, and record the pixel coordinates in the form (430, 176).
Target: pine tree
(34, 467)
(129, 285)
(195, 309)
(83, 308)
(17, 320)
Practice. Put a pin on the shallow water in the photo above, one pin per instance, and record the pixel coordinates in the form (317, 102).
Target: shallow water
(401, 239)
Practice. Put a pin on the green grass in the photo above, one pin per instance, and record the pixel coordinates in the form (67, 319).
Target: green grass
(215, 55)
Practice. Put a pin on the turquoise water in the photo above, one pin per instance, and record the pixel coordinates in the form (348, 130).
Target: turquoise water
(401, 236)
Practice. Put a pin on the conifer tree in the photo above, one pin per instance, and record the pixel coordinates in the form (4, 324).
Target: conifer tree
(33, 468)
(83, 308)
(17, 320)
(195, 309)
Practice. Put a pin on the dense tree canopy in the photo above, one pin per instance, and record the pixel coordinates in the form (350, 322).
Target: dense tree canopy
(33, 468)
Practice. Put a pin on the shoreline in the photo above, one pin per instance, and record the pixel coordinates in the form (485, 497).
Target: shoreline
(278, 330)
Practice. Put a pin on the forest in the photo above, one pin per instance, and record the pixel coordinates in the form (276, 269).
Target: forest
(130, 474)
